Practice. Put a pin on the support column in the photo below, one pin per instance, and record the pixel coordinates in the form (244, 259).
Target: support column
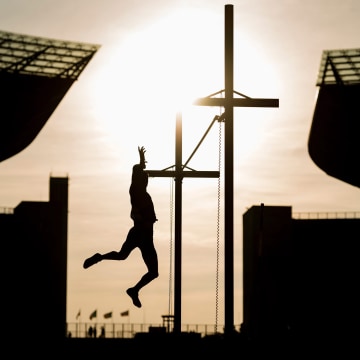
(228, 172)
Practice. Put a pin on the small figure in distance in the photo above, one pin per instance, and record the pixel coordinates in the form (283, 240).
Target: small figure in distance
(141, 234)
(90, 332)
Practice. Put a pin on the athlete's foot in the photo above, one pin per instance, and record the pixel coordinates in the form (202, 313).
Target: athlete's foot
(134, 297)
(92, 260)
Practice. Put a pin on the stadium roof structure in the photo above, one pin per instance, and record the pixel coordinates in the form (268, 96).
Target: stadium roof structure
(333, 142)
(339, 67)
(35, 75)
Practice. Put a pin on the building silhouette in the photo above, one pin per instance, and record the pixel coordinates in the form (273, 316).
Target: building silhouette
(34, 237)
(299, 274)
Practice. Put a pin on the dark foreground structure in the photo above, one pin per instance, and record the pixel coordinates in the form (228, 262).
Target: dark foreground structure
(183, 346)
(299, 275)
(34, 275)
(333, 143)
(35, 75)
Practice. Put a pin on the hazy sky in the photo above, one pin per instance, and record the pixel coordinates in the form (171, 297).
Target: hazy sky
(155, 58)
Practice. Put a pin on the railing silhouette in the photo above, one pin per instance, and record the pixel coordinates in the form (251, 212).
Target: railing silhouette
(6, 210)
(327, 215)
(129, 330)
(295, 215)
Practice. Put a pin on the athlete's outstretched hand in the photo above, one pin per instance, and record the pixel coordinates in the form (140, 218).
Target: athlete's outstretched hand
(142, 156)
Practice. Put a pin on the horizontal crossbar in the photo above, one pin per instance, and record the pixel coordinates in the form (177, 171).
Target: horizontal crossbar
(182, 174)
(236, 102)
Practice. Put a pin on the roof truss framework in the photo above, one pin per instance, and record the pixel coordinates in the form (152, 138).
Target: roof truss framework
(339, 67)
(40, 56)
(35, 75)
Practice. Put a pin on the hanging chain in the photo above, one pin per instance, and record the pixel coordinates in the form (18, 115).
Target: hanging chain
(218, 235)
(171, 243)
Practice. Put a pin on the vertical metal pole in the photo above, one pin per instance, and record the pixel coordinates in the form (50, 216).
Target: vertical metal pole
(178, 218)
(229, 176)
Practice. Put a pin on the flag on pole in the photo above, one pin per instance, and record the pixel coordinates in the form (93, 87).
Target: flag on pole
(108, 315)
(93, 314)
(78, 314)
(125, 313)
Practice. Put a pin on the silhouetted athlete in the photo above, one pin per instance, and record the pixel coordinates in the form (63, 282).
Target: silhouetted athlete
(141, 234)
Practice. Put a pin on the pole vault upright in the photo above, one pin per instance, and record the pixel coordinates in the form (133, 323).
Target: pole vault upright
(178, 174)
(228, 103)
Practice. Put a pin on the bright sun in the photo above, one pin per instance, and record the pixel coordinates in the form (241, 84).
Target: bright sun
(159, 71)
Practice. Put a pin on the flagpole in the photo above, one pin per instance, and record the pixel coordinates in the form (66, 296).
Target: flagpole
(78, 325)
(96, 327)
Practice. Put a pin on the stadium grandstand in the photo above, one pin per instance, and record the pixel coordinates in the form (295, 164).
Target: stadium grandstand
(333, 142)
(35, 75)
